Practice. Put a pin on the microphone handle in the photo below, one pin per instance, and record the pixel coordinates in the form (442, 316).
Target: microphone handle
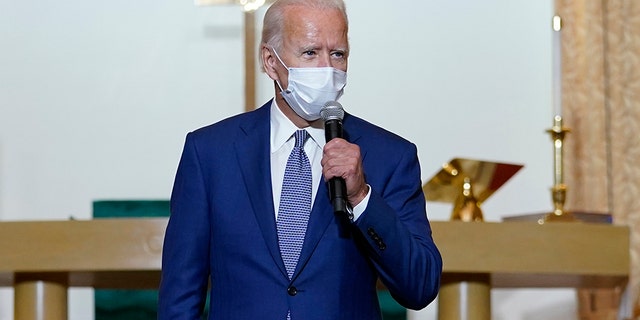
(332, 129)
(338, 193)
(337, 186)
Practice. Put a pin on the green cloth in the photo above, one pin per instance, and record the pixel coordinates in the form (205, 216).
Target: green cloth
(113, 304)
(391, 310)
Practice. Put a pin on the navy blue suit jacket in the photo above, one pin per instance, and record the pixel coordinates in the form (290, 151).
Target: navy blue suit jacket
(222, 228)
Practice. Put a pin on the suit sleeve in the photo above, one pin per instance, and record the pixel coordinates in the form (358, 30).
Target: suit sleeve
(185, 255)
(398, 235)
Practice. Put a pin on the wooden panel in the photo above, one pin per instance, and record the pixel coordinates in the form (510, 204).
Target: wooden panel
(100, 252)
(532, 255)
(126, 253)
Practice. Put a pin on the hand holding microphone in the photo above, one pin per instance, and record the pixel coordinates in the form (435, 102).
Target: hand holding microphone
(341, 161)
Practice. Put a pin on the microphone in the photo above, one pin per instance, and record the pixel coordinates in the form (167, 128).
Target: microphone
(332, 114)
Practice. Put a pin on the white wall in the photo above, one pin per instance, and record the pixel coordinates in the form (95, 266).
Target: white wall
(96, 97)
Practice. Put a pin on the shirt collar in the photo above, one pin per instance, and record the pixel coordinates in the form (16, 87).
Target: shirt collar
(282, 129)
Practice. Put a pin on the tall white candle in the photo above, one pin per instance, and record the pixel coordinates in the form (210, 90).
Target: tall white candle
(557, 66)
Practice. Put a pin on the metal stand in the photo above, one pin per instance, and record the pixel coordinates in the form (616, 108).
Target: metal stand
(559, 189)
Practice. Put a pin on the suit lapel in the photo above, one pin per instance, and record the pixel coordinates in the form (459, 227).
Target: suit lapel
(252, 152)
(321, 216)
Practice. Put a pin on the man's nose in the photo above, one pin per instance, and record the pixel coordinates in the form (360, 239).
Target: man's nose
(325, 60)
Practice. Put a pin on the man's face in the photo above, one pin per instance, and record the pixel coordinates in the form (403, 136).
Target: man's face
(313, 38)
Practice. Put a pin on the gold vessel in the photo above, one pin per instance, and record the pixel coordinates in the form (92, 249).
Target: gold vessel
(467, 183)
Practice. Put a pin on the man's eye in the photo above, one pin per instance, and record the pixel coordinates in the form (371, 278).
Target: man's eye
(309, 53)
(338, 54)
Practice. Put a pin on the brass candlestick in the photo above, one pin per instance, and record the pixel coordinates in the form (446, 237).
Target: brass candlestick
(559, 189)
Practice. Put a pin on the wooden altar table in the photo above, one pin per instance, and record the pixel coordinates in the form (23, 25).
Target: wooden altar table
(42, 259)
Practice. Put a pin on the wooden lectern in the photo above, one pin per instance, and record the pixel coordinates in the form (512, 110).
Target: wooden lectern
(42, 259)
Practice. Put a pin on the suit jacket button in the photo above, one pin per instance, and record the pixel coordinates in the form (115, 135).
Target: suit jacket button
(292, 291)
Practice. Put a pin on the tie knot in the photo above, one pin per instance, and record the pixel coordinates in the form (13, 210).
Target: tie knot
(301, 136)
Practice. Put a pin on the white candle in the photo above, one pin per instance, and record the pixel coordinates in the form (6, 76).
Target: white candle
(557, 66)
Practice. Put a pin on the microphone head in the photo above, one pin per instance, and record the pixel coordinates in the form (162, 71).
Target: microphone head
(332, 110)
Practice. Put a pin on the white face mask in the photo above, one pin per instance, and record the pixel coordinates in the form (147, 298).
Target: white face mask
(310, 88)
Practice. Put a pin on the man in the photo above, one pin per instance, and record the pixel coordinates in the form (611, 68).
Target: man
(230, 206)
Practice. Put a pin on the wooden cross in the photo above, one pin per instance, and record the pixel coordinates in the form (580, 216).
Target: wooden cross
(249, 44)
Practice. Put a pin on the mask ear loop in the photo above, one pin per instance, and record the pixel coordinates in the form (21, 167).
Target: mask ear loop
(278, 56)
(282, 91)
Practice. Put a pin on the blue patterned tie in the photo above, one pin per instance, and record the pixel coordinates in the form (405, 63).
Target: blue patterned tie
(295, 204)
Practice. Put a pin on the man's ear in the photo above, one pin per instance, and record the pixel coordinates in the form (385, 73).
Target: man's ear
(268, 62)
